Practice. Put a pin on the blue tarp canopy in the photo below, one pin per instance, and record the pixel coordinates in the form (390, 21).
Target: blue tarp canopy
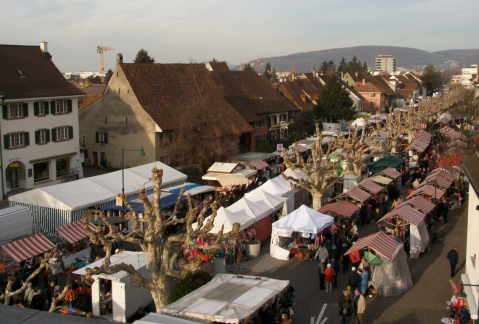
(186, 186)
(167, 199)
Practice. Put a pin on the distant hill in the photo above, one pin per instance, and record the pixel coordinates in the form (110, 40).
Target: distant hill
(407, 58)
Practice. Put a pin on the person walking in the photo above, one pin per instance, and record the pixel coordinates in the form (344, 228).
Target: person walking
(329, 274)
(321, 268)
(359, 306)
(453, 258)
(353, 280)
(346, 308)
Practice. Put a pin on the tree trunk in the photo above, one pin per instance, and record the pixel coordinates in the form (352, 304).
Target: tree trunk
(159, 290)
(317, 199)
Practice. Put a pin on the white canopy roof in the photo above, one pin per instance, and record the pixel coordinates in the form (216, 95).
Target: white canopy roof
(304, 220)
(88, 192)
(296, 174)
(228, 218)
(136, 259)
(244, 206)
(277, 186)
(226, 298)
(261, 197)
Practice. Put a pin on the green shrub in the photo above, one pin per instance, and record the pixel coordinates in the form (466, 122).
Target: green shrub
(191, 282)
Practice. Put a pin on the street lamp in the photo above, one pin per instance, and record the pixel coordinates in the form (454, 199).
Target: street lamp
(141, 152)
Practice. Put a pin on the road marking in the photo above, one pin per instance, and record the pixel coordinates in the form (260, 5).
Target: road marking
(318, 321)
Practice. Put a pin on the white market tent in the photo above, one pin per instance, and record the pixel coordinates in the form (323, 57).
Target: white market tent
(227, 298)
(256, 211)
(262, 197)
(281, 188)
(227, 218)
(61, 204)
(304, 220)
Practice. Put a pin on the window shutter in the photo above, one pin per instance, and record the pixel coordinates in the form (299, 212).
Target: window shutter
(97, 137)
(54, 135)
(37, 136)
(47, 136)
(5, 112)
(6, 144)
(46, 104)
(105, 136)
(70, 132)
(70, 106)
(52, 107)
(25, 110)
(35, 109)
(26, 136)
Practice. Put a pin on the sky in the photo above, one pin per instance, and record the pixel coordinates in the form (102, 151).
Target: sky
(182, 31)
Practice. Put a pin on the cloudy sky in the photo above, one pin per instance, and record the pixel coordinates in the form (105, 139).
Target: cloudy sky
(179, 31)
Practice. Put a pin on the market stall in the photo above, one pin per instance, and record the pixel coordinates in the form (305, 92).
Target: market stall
(78, 250)
(355, 194)
(303, 220)
(117, 296)
(419, 203)
(28, 247)
(427, 190)
(228, 298)
(58, 205)
(389, 161)
(392, 277)
(407, 224)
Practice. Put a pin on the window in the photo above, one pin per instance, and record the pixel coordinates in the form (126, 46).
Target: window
(59, 107)
(41, 171)
(83, 139)
(63, 133)
(63, 166)
(40, 108)
(42, 136)
(282, 117)
(16, 140)
(15, 110)
(273, 120)
(101, 137)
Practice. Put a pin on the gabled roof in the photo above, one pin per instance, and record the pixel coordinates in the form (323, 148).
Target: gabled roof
(27, 73)
(373, 83)
(301, 92)
(251, 95)
(469, 165)
(168, 92)
(93, 93)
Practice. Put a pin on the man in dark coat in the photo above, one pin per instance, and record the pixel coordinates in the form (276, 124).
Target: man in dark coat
(354, 279)
(453, 258)
(38, 301)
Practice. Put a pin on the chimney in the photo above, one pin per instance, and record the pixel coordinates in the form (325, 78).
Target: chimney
(119, 58)
(364, 81)
(44, 49)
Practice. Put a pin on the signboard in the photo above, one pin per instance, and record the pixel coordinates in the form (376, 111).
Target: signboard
(279, 148)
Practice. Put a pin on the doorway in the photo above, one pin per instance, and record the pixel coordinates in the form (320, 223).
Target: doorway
(13, 174)
(95, 158)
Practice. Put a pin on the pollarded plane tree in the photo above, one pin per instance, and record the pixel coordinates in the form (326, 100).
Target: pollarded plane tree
(356, 152)
(321, 171)
(161, 249)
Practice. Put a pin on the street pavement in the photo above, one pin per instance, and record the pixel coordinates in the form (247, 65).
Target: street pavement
(425, 302)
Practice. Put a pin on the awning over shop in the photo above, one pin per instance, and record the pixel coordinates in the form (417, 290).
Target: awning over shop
(28, 247)
(191, 189)
(389, 161)
(407, 213)
(419, 203)
(74, 232)
(452, 133)
(341, 208)
(226, 180)
(427, 190)
(437, 180)
(380, 242)
(381, 180)
(167, 199)
(421, 141)
(371, 186)
(355, 193)
(391, 173)
(259, 164)
(442, 173)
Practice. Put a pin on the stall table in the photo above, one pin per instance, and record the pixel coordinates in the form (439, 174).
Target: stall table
(82, 255)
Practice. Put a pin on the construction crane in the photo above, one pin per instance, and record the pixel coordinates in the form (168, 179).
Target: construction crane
(101, 49)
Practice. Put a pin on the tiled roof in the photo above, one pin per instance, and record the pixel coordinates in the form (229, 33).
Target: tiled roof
(26, 73)
(251, 95)
(88, 100)
(168, 92)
